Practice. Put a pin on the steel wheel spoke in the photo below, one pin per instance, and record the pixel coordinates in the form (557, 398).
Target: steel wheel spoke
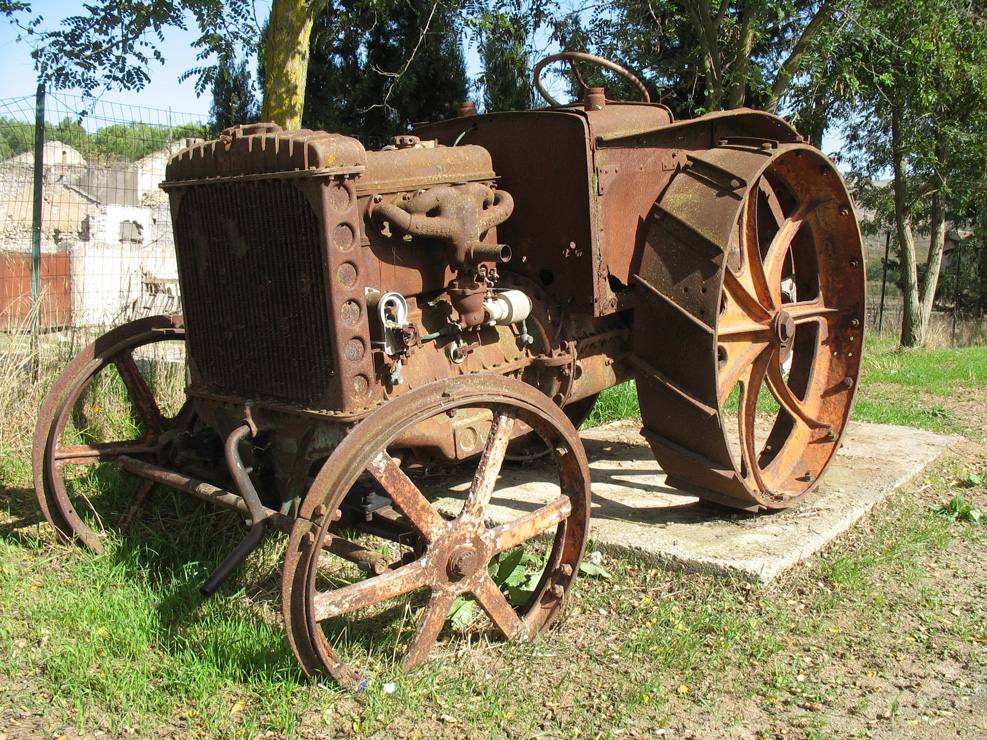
(530, 525)
(430, 625)
(749, 305)
(498, 608)
(406, 495)
(99, 452)
(783, 394)
(751, 237)
(140, 392)
(355, 596)
(781, 244)
(485, 479)
(801, 312)
(736, 367)
(771, 197)
(747, 416)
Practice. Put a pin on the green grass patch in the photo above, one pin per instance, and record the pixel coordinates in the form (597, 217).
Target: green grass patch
(619, 402)
(125, 640)
(918, 387)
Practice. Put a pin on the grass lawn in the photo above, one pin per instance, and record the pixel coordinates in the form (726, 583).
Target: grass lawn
(881, 636)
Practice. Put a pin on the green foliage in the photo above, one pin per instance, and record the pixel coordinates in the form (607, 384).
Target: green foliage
(376, 68)
(958, 509)
(16, 137)
(619, 402)
(701, 56)
(505, 51)
(233, 98)
(910, 82)
(589, 569)
(125, 142)
(113, 45)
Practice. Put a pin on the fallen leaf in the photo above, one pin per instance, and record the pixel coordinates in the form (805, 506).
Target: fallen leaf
(238, 707)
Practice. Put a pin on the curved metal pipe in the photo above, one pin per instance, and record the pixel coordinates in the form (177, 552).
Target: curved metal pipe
(258, 514)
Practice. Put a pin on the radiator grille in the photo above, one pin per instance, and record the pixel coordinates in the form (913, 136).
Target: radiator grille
(256, 308)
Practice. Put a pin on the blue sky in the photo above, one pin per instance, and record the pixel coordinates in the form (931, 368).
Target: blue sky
(163, 92)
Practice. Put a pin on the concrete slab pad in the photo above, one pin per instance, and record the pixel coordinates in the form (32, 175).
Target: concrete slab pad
(633, 510)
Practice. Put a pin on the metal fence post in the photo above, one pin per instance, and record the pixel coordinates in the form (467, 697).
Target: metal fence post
(39, 176)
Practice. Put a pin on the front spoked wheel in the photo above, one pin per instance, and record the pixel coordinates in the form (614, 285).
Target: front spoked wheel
(447, 539)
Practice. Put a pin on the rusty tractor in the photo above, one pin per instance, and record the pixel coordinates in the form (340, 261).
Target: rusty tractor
(355, 321)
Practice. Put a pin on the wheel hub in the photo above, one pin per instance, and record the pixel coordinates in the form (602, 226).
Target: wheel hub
(783, 327)
(463, 562)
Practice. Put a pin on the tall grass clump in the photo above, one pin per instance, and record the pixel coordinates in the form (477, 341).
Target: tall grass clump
(619, 402)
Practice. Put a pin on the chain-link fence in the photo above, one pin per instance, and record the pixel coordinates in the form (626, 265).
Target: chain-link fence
(98, 241)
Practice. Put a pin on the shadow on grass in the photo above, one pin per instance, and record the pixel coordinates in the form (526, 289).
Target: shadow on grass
(165, 558)
(21, 527)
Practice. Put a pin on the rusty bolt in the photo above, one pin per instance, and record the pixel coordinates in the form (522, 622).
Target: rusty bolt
(844, 210)
(848, 382)
(809, 476)
(378, 198)
(831, 436)
(566, 570)
(561, 451)
(855, 323)
(854, 263)
(308, 540)
(319, 511)
(558, 590)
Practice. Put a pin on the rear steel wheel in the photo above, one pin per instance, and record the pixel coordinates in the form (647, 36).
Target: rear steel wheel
(440, 558)
(122, 395)
(761, 288)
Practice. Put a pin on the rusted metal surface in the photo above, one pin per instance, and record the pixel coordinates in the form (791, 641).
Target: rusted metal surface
(15, 291)
(355, 319)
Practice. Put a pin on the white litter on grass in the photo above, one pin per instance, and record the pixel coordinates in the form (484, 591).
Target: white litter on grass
(388, 688)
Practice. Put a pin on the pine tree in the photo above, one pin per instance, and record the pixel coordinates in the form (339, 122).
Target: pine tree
(233, 100)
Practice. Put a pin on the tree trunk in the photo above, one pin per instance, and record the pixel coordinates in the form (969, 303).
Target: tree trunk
(911, 320)
(707, 27)
(741, 60)
(793, 62)
(937, 241)
(287, 46)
